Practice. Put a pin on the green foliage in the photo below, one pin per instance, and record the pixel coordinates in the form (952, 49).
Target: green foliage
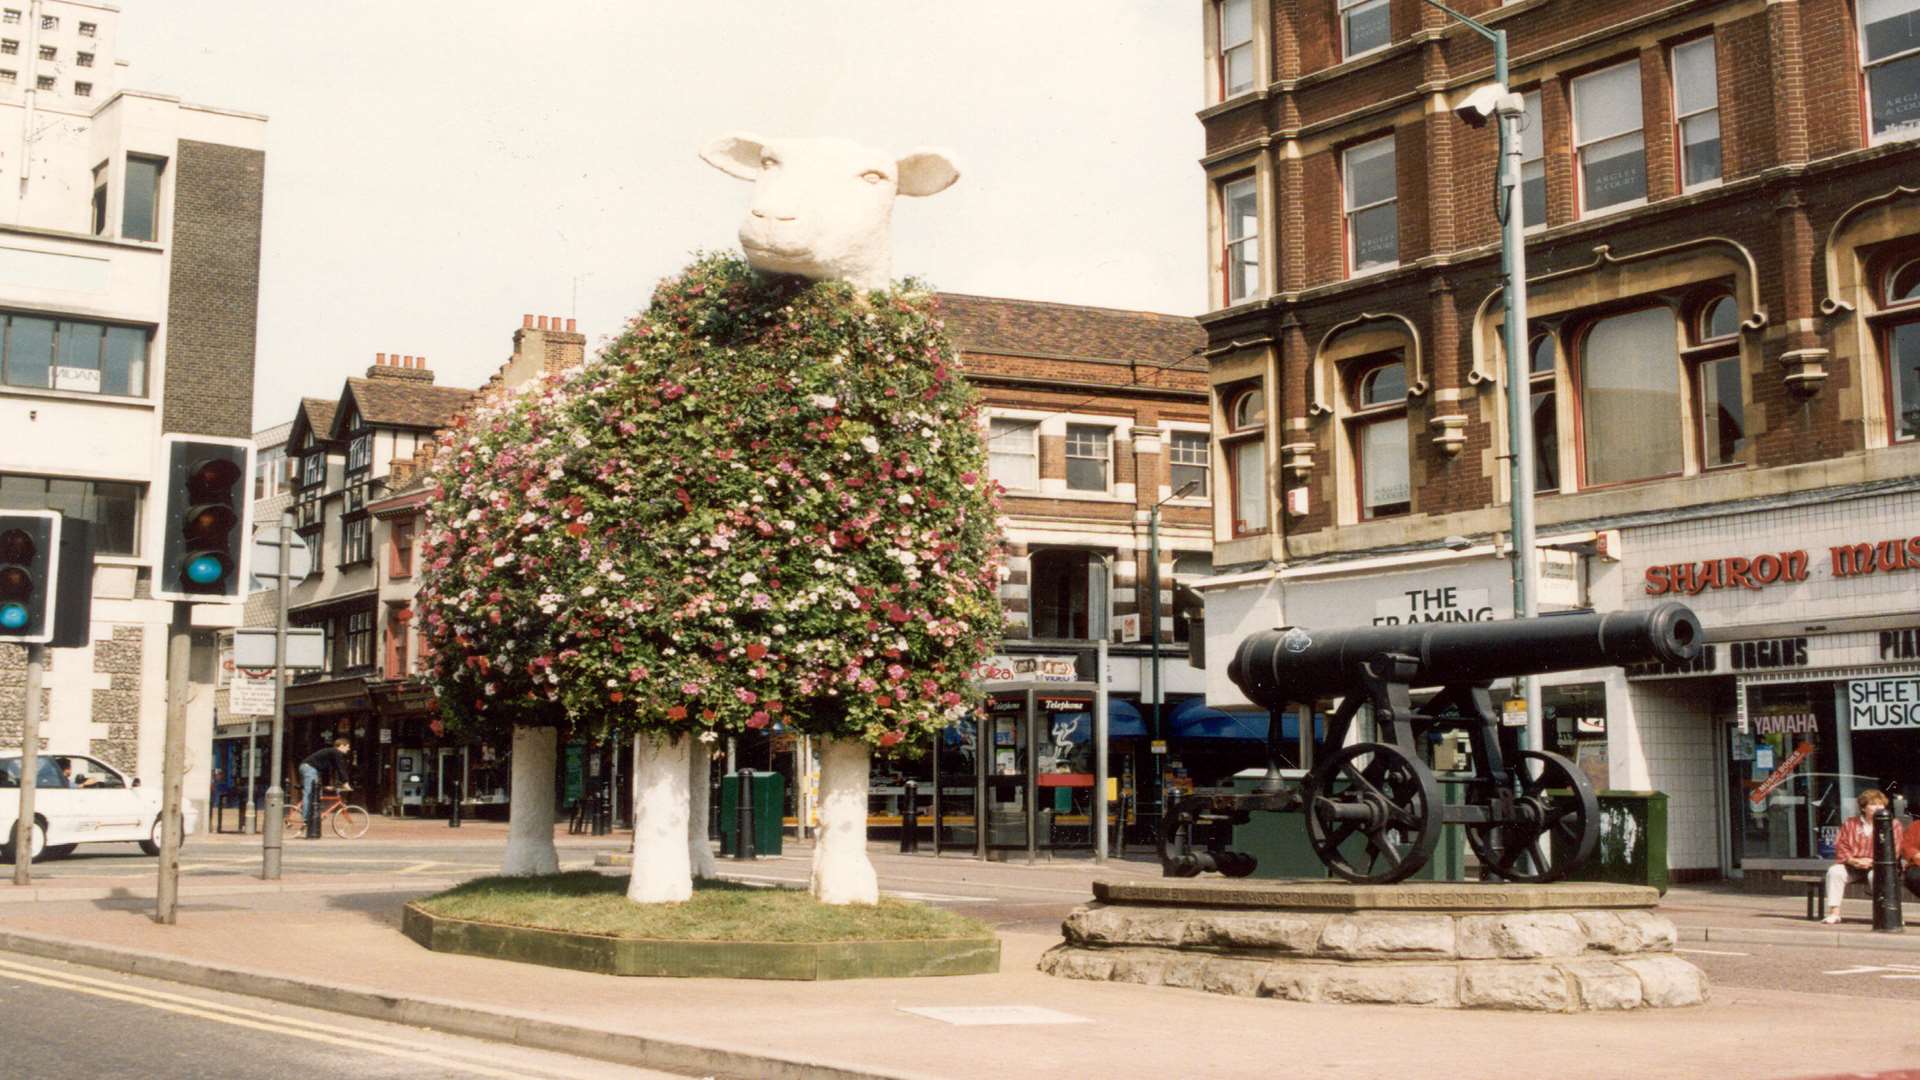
(765, 503)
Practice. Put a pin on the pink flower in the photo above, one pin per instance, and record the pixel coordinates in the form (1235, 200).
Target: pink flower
(757, 720)
(891, 738)
(747, 697)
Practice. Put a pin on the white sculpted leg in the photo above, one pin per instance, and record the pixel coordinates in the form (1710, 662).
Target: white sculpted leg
(700, 810)
(842, 873)
(660, 871)
(530, 811)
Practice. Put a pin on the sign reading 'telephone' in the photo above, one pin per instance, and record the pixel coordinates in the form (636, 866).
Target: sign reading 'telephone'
(1883, 704)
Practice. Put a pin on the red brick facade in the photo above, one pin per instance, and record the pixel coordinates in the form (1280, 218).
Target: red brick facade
(1808, 215)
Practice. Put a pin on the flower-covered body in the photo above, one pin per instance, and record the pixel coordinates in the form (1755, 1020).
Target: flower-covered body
(765, 503)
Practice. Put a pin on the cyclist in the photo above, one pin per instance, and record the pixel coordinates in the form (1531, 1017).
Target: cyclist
(332, 760)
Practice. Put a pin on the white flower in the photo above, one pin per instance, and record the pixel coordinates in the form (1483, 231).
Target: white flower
(824, 401)
(906, 499)
(872, 444)
(580, 440)
(709, 736)
(749, 578)
(503, 559)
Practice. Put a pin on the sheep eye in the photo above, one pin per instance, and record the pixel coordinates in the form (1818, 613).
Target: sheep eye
(873, 176)
(769, 163)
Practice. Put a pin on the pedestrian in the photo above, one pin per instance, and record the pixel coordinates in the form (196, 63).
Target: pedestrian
(1853, 852)
(332, 760)
(1910, 855)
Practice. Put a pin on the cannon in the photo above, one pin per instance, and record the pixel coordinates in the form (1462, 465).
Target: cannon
(1373, 808)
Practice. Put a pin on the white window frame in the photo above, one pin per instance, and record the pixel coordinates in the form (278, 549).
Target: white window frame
(1203, 462)
(1032, 453)
(1535, 121)
(1345, 12)
(1236, 438)
(1680, 119)
(1362, 417)
(1349, 209)
(1106, 440)
(1911, 131)
(1240, 247)
(1581, 143)
(1228, 50)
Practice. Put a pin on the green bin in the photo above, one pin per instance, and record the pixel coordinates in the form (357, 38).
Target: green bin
(769, 807)
(1279, 841)
(1633, 840)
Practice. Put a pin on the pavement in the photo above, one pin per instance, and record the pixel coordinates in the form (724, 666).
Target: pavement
(328, 938)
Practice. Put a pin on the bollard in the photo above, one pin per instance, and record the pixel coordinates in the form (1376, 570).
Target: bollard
(910, 820)
(1887, 917)
(453, 818)
(313, 818)
(743, 819)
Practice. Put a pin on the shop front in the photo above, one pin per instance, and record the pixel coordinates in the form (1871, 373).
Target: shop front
(1808, 690)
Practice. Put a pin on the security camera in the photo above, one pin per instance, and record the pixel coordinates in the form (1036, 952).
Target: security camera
(1487, 101)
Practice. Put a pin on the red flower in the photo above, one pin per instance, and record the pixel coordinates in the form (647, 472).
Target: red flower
(576, 530)
(890, 738)
(757, 720)
(616, 696)
(756, 651)
(677, 712)
(884, 701)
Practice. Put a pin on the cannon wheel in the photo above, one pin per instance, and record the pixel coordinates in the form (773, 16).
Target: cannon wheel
(1555, 803)
(1373, 813)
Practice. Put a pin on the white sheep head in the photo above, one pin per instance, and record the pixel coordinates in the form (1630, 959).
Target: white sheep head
(823, 208)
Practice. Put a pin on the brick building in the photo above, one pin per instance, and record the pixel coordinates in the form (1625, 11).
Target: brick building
(129, 287)
(1723, 254)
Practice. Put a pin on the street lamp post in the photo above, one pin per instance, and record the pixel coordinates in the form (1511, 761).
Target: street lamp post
(1513, 257)
(1153, 612)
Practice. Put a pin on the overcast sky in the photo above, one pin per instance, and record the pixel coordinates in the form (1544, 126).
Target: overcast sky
(436, 168)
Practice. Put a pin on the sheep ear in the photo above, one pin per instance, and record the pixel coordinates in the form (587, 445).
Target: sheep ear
(927, 172)
(737, 155)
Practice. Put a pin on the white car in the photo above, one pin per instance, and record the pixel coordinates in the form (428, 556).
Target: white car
(79, 800)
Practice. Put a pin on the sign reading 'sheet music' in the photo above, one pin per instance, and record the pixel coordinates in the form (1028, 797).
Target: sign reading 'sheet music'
(1883, 704)
(1786, 567)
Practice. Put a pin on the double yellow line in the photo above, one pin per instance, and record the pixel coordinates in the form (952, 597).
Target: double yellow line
(237, 1016)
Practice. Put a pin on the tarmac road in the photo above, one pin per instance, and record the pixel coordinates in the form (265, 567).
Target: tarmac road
(65, 1022)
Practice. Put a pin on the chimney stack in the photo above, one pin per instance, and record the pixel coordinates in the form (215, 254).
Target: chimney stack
(399, 368)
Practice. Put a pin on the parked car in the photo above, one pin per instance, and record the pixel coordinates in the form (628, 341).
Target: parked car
(81, 800)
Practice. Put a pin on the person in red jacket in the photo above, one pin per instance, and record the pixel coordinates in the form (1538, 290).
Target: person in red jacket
(1910, 854)
(1853, 852)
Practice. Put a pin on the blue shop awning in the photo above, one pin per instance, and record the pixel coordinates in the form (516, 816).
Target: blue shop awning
(1195, 719)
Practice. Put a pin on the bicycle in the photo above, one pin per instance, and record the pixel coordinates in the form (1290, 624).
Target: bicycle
(350, 822)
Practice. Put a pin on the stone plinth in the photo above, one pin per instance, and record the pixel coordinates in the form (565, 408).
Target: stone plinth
(1564, 947)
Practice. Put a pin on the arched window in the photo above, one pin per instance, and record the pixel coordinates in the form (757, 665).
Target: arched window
(1718, 318)
(1245, 447)
(1900, 344)
(1377, 428)
(1544, 401)
(1628, 387)
(1720, 399)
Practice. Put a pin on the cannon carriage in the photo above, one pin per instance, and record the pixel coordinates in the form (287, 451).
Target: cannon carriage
(1373, 808)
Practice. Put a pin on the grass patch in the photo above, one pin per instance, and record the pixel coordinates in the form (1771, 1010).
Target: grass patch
(585, 902)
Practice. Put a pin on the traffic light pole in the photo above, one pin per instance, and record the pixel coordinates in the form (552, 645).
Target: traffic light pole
(29, 768)
(173, 762)
(273, 839)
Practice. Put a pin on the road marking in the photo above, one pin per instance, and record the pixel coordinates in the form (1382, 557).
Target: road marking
(994, 1015)
(417, 868)
(237, 1017)
(1885, 971)
(1712, 952)
(939, 897)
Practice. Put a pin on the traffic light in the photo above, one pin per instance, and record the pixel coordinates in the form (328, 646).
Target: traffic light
(204, 548)
(29, 547)
(46, 579)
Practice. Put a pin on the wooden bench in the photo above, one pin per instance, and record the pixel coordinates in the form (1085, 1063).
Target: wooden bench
(1816, 892)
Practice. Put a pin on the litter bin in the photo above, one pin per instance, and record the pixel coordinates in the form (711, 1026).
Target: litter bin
(1279, 841)
(769, 807)
(1633, 840)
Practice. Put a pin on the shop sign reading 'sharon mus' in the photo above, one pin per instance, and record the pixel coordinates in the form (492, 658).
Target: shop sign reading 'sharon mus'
(1782, 568)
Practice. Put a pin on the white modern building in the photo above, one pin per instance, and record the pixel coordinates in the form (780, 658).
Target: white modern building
(129, 284)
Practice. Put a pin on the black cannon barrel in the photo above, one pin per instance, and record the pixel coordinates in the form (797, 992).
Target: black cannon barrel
(1297, 664)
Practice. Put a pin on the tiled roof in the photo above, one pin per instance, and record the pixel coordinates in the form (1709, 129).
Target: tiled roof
(987, 324)
(406, 403)
(319, 413)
